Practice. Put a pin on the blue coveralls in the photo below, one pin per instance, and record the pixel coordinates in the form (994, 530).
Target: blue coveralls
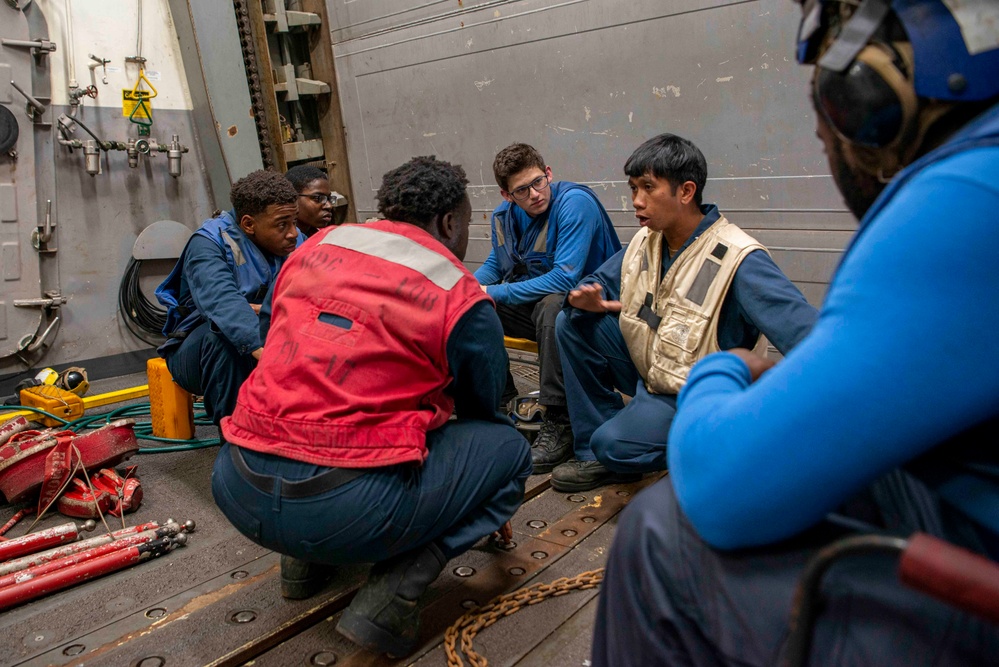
(531, 267)
(885, 413)
(211, 329)
(471, 482)
(596, 362)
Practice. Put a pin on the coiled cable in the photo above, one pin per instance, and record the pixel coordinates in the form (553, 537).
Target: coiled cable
(143, 318)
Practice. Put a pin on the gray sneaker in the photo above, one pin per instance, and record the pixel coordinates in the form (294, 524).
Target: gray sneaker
(576, 476)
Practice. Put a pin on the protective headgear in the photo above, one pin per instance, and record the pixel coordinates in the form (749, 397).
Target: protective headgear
(869, 75)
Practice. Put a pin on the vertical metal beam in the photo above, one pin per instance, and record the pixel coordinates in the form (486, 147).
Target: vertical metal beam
(216, 77)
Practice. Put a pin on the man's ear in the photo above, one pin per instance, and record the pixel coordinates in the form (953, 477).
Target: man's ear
(687, 191)
(447, 226)
(506, 195)
(246, 224)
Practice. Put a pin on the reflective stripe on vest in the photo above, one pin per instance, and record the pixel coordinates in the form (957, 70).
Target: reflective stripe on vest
(672, 323)
(398, 249)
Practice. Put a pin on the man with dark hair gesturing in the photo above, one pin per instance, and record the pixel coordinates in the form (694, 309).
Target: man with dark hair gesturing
(341, 448)
(689, 283)
(214, 292)
(882, 420)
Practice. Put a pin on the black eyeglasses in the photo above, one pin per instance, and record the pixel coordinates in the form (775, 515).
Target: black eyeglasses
(321, 198)
(523, 192)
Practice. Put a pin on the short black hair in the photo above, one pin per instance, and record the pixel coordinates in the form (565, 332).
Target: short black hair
(420, 190)
(514, 159)
(252, 194)
(304, 174)
(672, 158)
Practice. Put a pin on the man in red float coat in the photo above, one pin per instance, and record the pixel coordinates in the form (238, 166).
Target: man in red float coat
(341, 448)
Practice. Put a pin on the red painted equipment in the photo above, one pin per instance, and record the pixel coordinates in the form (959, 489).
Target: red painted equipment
(22, 461)
(80, 502)
(74, 574)
(43, 539)
(14, 519)
(125, 492)
(12, 427)
(75, 547)
(20, 576)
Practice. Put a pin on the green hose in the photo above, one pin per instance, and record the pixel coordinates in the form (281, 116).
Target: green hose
(143, 431)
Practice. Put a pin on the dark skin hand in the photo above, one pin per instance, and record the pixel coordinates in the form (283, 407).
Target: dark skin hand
(590, 297)
(757, 365)
(505, 534)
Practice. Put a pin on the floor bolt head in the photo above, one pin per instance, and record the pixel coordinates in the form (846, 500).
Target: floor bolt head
(569, 532)
(240, 574)
(323, 659)
(243, 616)
(469, 604)
(150, 661)
(74, 649)
(156, 612)
(464, 571)
(575, 498)
(624, 493)
(536, 523)
(540, 555)
(589, 519)
(517, 571)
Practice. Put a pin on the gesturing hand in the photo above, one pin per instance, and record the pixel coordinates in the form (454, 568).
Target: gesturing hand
(757, 365)
(590, 297)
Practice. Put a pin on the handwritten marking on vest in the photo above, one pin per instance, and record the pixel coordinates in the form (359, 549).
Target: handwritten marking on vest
(321, 259)
(345, 370)
(289, 350)
(418, 294)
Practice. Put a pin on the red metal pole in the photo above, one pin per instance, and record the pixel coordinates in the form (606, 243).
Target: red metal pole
(43, 539)
(91, 569)
(20, 576)
(14, 519)
(60, 552)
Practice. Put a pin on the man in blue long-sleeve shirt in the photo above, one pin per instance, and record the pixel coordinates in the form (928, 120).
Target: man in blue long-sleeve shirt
(882, 419)
(545, 237)
(214, 292)
(689, 283)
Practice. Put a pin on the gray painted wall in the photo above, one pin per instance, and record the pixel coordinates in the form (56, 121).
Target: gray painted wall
(586, 81)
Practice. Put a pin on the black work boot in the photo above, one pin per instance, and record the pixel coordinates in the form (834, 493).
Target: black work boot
(553, 444)
(576, 476)
(301, 579)
(384, 616)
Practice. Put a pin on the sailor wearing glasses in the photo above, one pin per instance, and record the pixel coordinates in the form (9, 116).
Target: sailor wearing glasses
(315, 200)
(545, 237)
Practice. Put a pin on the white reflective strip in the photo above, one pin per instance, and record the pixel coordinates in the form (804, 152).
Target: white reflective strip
(237, 252)
(395, 248)
(979, 23)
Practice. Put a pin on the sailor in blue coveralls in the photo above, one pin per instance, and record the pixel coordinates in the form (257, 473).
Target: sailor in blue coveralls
(214, 292)
(545, 237)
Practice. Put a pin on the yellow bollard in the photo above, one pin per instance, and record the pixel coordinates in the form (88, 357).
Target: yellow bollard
(171, 408)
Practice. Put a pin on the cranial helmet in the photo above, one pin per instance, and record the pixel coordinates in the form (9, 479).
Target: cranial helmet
(871, 68)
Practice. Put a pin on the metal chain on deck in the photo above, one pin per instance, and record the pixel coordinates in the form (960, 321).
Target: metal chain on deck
(245, 29)
(504, 605)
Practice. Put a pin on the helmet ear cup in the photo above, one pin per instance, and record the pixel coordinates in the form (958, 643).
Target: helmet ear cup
(873, 102)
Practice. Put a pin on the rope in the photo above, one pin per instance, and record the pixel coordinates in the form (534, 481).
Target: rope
(478, 618)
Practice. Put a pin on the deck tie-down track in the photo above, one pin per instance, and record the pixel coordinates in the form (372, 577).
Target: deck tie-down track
(239, 616)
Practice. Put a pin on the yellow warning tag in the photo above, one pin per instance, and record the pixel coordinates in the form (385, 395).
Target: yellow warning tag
(130, 99)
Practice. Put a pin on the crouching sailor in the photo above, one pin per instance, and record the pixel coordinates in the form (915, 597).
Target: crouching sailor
(341, 448)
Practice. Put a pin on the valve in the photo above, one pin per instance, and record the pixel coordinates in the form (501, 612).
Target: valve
(133, 153)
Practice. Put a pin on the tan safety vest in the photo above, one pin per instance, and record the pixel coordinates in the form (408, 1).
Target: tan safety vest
(671, 323)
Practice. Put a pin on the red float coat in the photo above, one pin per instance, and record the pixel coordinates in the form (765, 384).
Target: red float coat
(355, 365)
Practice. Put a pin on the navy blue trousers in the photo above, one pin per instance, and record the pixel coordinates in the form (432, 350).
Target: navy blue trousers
(208, 365)
(596, 365)
(670, 599)
(470, 484)
(536, 321)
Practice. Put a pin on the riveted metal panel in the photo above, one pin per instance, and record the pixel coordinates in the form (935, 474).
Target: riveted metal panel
(586, 82)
